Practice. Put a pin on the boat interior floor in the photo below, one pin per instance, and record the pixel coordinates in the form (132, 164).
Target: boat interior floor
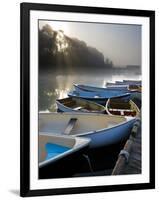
(74, 124)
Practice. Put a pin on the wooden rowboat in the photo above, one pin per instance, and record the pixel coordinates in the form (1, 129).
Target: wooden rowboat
(126, 87)
(57, 152)
(103, 130)
(128, 82)
(88, 88)
(73, 104)
(114, 86)
(123, 87)
(99, 97)
(132, 82)
(124, 108)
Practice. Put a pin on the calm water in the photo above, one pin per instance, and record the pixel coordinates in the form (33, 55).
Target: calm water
(56, 86)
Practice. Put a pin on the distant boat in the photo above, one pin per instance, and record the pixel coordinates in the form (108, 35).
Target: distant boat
(57, 152)
(73, 104)
(117, 87)
(135, 88)
(99, 97)
(128, 82)
(133, 82)
(103, 130)
(117, 83)
(123, 108)
(126, 87)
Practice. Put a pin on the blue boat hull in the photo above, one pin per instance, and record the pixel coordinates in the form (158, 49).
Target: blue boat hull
(99, 97)
(110, 136)
(63, 108)
(80, 88)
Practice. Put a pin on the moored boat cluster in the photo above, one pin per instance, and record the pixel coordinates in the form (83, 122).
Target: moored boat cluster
(89, 116)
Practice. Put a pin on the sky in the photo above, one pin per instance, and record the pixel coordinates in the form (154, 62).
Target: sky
(120, 43)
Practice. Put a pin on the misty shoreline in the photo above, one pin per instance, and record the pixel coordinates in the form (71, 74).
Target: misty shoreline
(97, 71)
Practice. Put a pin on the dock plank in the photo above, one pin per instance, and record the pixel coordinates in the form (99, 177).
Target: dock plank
(134, 162)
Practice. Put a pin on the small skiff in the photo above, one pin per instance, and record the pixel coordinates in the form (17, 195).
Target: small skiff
(126, 87)
(118, 87)
(121, 107)
(99, 97)
(88, 88)
(132, 82)
(73, 104)
(101, 129)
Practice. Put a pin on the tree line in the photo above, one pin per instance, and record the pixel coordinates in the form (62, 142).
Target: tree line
(58, 51)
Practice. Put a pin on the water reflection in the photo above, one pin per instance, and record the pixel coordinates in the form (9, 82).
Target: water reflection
(53, 86)
(62, 93)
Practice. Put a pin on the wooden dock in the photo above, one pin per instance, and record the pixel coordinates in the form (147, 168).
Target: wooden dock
(127, 162)
(129, 159)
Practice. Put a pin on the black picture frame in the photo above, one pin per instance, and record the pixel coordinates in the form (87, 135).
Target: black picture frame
(25, 9)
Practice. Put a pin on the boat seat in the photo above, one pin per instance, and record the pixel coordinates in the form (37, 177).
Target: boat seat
(70, 126)
(121, 110)
(119, 104)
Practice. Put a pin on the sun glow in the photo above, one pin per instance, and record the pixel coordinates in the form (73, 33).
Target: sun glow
(61, 42)
(61, 93)
(57, 26)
